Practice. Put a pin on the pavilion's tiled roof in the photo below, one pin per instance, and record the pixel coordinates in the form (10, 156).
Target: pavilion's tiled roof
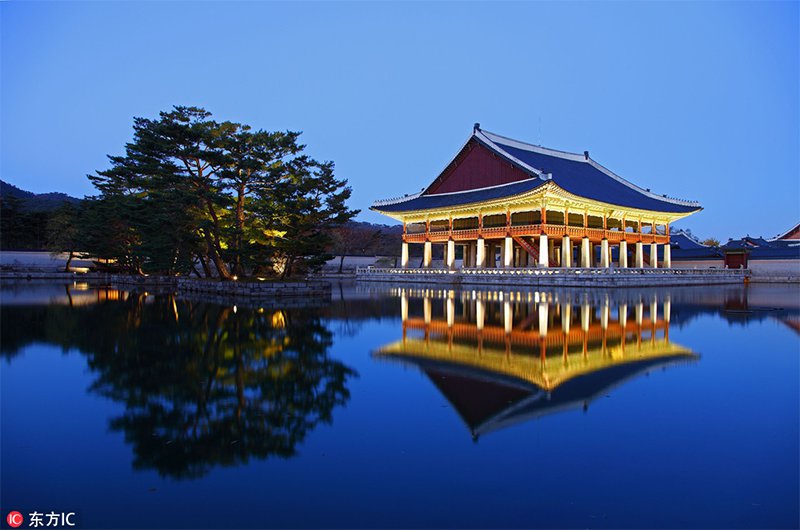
(443, 200)
(577, 174)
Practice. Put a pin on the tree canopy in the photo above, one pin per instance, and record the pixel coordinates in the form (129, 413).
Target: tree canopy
(219, 199)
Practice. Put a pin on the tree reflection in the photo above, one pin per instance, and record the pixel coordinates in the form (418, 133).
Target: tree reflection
(202, 384)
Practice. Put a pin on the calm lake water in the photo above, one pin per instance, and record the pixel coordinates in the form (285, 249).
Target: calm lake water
(413, 407)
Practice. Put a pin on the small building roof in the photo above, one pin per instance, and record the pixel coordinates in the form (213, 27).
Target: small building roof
(760, 248)
(685, 246)
(684, 240)
(577, 174)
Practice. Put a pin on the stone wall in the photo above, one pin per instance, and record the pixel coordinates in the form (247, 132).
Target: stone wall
(557, 277)
(699, 264)
(775, 270)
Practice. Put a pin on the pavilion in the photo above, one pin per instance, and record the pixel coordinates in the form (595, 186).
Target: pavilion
(511, 204)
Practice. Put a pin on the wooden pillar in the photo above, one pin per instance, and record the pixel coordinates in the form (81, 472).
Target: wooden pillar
(586, 248)
(566, 252)
(543, 248)
(451, 254)
(427, 255)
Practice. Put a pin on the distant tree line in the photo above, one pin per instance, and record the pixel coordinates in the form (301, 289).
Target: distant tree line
(25, 217)
(20, 227)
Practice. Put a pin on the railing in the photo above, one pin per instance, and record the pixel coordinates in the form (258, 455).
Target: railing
(497, 232)
(559, 271)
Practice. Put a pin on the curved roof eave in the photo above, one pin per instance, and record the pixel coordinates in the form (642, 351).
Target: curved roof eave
(528, 186)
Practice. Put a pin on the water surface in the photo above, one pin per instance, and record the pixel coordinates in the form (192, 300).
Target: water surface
(413, 407)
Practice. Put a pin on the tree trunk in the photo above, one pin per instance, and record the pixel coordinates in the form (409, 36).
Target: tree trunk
(222, 269)
(237, 268)
(204, 263)
(341, 263)
(214, 246)
(287, 270)
(69, 260)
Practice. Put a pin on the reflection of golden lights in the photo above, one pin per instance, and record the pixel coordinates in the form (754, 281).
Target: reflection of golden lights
(278, 319)
(81, 286)
(79, 270)
(109, 294)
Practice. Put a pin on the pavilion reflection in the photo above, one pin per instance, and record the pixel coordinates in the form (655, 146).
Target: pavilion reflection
(501, 358)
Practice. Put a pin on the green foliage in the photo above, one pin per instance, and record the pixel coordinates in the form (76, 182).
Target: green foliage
(192, 190)
(711, 242)
(63, 231)
(20, 227)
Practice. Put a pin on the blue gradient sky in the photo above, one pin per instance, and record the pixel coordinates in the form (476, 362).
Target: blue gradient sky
(695, 100)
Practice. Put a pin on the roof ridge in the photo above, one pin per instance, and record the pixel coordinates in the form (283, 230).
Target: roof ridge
(557, 151)
(786, 233)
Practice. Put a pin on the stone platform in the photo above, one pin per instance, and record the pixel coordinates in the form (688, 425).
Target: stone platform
(575, 277)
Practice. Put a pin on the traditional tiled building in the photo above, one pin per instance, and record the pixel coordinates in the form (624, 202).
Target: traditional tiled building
(778, 256)
(511, 204)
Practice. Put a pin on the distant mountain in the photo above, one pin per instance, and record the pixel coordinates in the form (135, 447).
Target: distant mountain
(35, 202)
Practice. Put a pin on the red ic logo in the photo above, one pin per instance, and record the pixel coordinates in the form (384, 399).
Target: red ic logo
(15, 519)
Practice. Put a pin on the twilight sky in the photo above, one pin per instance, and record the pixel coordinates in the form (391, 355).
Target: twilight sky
(695, 100)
